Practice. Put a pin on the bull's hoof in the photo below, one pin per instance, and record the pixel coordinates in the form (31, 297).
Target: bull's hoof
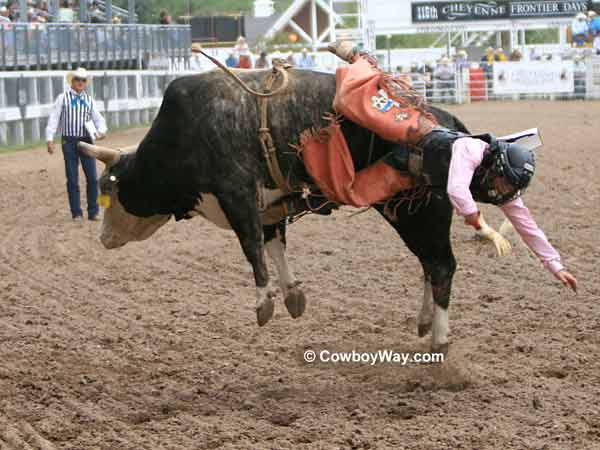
(423, 329)
(264, 312)
(295, 302)
(441, 348)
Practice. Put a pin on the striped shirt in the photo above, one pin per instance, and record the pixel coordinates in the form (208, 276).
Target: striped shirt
(70, 113)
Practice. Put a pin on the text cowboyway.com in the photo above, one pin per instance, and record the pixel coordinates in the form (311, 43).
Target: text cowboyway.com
(372, 358)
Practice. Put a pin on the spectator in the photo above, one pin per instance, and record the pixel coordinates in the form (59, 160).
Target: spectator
(5, 23)
(65, 116)
(580, 30)
(242, 51)
(462, 60)
(516, 55)
(533, 54)
(306, 61)
(95, 15)
(241, 47)
(594, 23)
(65, 13)
(231, 60)
(116, 20)
(245, 62)
(262, 62)
(13, 11)
(290, 59)
(4, 15)
(444, 80)
(42, 11)
(499, 55)
(488, 56)
(164, 18)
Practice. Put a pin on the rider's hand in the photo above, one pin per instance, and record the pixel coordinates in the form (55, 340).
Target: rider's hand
(567, 279)
(503, 247)
(50, 147)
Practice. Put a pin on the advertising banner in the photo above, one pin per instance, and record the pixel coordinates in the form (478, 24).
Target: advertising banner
(429, 11)
(533, 77)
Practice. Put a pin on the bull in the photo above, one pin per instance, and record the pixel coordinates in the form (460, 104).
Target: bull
(202, 156)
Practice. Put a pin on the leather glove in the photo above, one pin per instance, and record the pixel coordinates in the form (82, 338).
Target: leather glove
(503, 247)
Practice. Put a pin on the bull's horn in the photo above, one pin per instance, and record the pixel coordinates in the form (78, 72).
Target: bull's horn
(107, 155)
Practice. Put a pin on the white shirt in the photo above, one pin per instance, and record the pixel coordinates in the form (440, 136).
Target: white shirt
(60, 113)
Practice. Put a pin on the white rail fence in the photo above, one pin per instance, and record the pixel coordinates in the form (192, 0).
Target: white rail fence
(129, 98)
(126, 98)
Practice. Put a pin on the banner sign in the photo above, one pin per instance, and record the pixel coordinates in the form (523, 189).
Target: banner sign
(427, 12)
(535, 77)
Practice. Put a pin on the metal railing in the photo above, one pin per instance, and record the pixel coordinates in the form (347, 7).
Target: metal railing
(50, 46)
(463, 87)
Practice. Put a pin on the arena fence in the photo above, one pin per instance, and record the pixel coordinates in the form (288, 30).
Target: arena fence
(130, 98)
(125, 98)
(50, 46)
(565, 80)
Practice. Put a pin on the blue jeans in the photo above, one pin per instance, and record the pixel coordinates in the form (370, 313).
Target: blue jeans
(72, 157)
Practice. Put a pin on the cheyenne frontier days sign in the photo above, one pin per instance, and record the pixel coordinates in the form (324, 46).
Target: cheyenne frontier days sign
(424, 12)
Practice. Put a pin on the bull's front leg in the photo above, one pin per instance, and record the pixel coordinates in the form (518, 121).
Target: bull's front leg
(294, 298)
(242, 214)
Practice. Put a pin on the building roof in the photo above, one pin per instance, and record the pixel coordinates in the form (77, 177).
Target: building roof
(293, 9)
(256, 27)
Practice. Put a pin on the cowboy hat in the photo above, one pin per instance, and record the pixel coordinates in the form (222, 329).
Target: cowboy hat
(196, 47)
(79, 73)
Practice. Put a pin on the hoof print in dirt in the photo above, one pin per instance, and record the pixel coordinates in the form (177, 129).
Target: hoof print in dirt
(402, 412)
(283, 419)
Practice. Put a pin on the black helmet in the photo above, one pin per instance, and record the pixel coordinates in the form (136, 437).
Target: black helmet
(515, 163)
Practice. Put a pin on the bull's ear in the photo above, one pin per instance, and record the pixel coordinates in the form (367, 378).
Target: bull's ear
(108, 156)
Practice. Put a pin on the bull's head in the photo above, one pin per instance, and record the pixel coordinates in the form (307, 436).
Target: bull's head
(118, 225)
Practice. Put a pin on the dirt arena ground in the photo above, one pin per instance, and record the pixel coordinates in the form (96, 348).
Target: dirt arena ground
(154, 346)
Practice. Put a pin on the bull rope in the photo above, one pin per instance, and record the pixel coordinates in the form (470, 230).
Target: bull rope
(281, 68)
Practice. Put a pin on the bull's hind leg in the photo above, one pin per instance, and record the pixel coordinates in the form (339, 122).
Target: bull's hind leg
(294, 298)
(242, 213)
(427, 234)
(426, 313)
(442, 271)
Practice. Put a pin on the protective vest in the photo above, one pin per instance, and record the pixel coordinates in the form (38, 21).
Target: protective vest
(429, 162)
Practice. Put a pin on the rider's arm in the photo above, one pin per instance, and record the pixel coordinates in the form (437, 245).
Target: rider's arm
(467, 154)
(532, 235)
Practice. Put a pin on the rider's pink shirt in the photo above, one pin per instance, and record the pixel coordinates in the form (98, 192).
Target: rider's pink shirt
(467, 154)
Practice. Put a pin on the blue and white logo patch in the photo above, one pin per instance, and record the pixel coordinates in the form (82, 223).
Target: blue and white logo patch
(382, 102)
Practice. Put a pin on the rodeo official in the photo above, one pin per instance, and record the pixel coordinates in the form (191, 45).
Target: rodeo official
(75, 115)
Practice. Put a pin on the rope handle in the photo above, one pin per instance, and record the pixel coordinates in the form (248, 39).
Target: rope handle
(244, 86)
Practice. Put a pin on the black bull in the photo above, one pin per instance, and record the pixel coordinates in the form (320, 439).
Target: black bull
(202, 156)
